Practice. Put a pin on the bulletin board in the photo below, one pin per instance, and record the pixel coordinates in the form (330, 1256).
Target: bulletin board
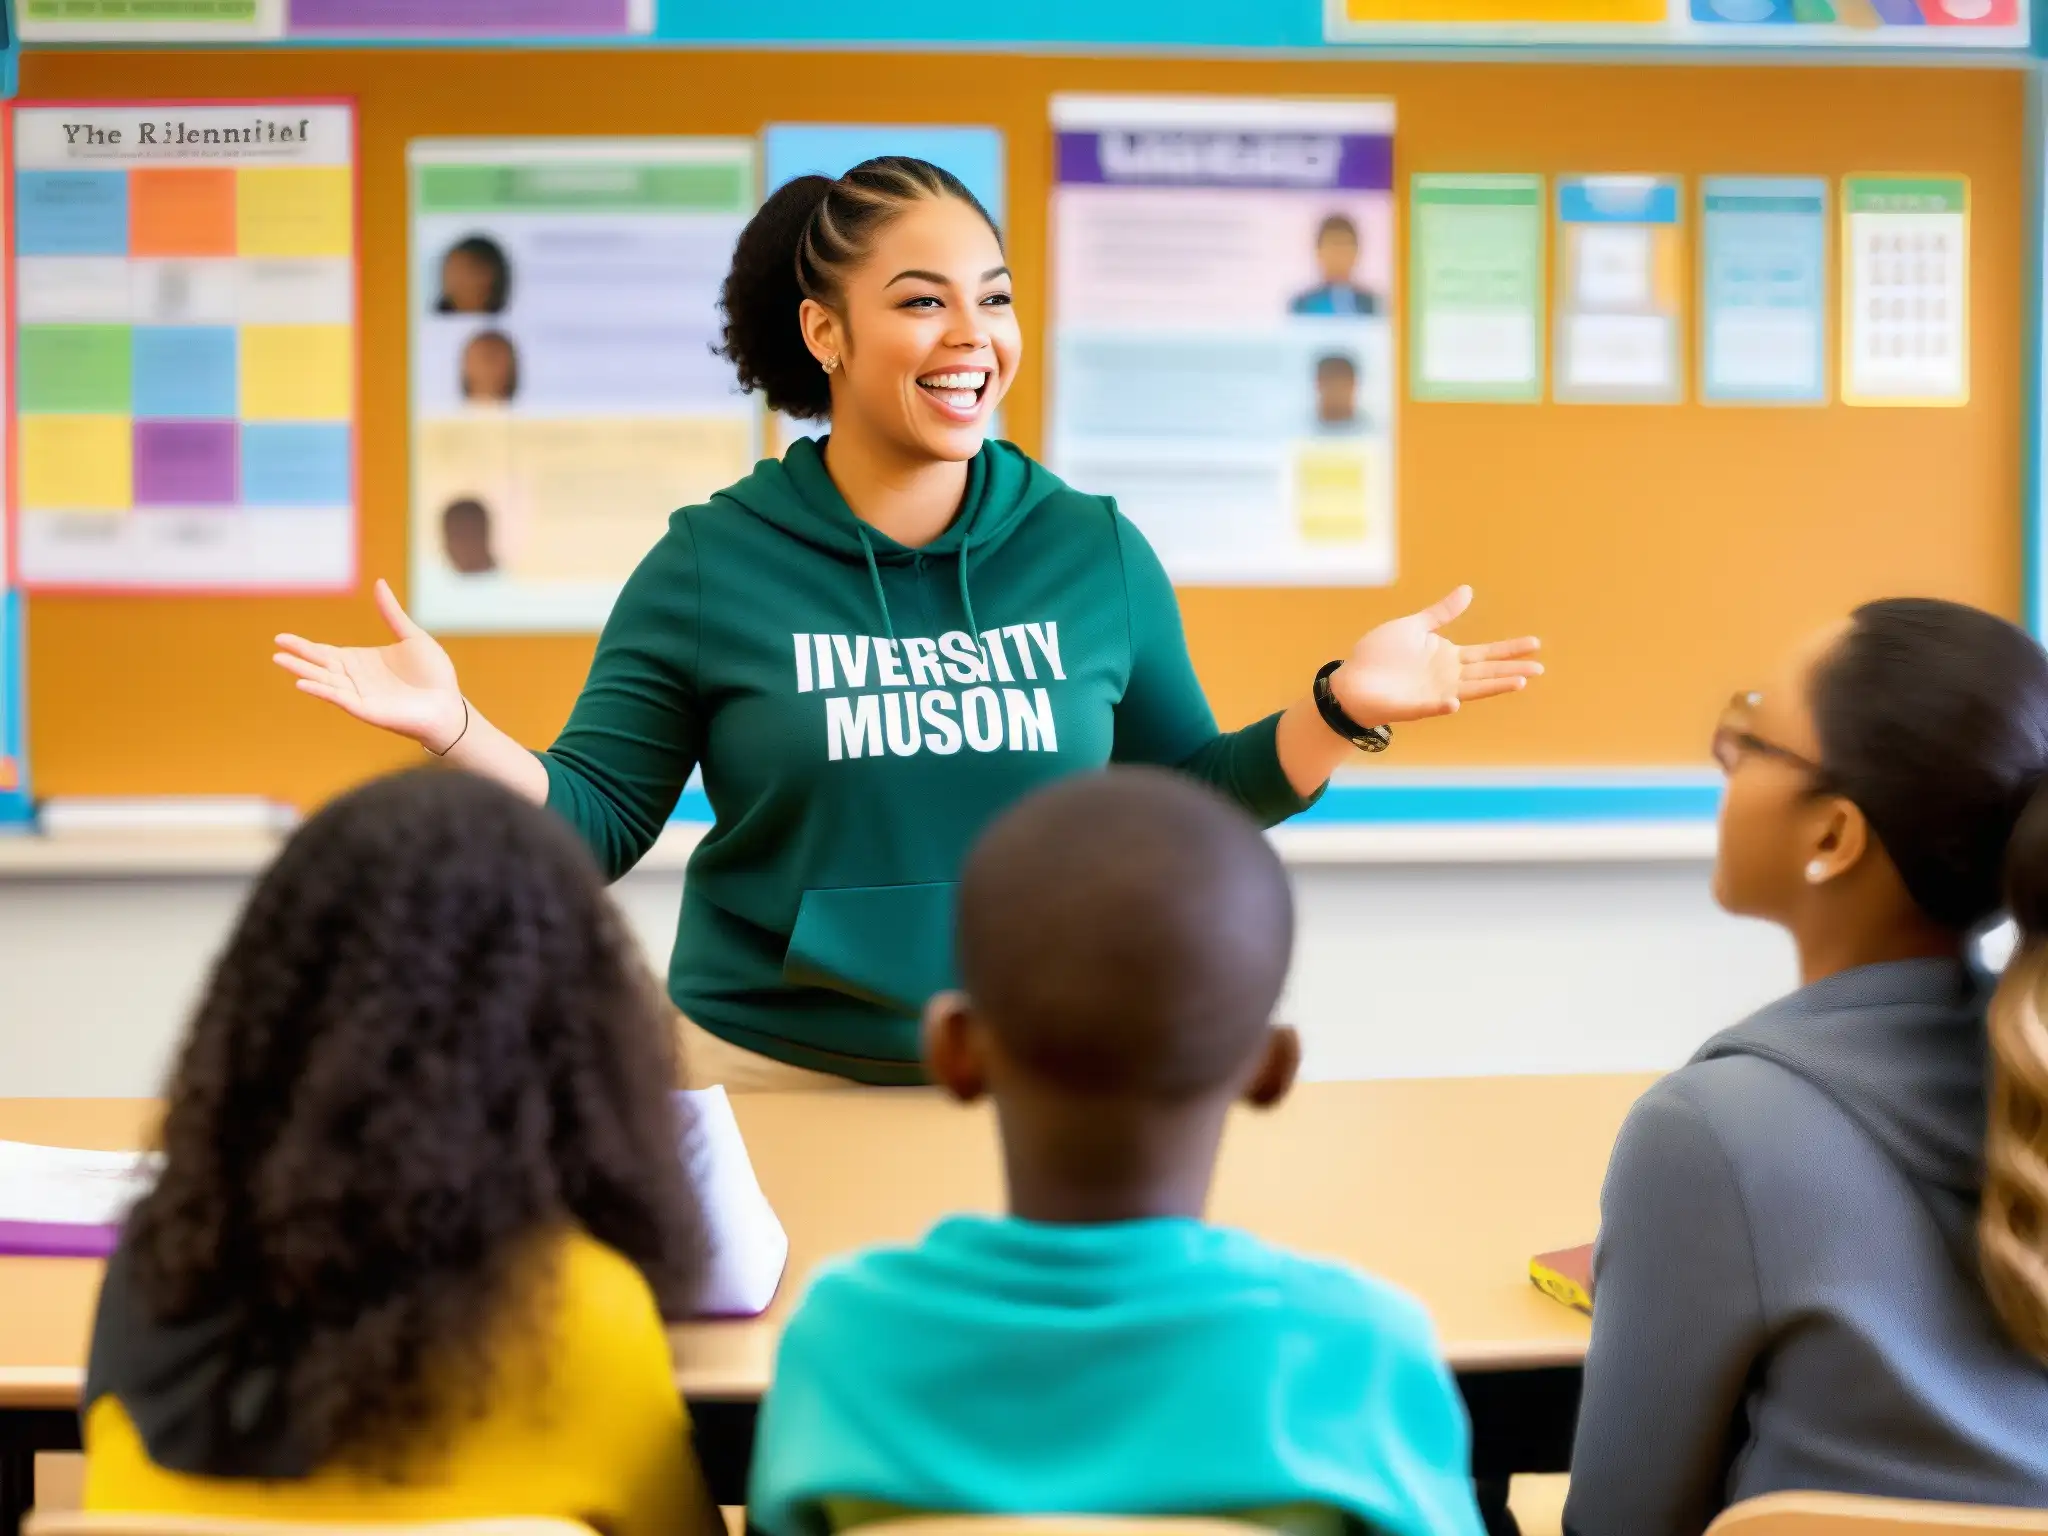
(1665, 553)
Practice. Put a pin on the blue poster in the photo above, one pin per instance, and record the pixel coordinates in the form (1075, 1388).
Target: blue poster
(975, 155)
(14, 801)
(1764, 290)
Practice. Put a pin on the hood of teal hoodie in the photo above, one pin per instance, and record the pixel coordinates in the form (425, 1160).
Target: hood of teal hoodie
(795, 495)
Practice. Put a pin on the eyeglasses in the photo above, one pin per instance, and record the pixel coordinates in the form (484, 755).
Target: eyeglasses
(1734, 740)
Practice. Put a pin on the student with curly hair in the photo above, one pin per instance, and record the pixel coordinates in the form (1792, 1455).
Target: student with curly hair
(1823, 1255)
(874, 645)
(422, 1210)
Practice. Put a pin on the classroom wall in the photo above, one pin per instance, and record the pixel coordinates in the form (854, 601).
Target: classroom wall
(1664, 553)
(1400, 970)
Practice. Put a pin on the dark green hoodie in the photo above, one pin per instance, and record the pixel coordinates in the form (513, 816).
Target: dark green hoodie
(861, 710)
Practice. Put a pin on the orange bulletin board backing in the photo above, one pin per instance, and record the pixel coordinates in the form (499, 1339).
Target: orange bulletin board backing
(1664, 553)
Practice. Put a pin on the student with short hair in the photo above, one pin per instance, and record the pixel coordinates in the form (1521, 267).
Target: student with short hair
(422, 1209)
(1823, 1254)
(1123, 938)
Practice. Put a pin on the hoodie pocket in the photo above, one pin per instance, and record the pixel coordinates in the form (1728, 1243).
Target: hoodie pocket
(891, 945)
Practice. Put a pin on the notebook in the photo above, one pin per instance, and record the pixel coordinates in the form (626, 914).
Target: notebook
(67, 1202)
(1567, 1276)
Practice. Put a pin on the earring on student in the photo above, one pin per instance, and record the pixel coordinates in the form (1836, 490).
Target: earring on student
(830, 365)
(1816, 872)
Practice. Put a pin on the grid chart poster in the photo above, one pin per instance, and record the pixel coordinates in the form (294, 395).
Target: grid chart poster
(1619, 291)
(1906, 290)
(1764, 290)
(185, 347)
(565, 396)
(1476, 288)
(1223, 278)
(227, 21)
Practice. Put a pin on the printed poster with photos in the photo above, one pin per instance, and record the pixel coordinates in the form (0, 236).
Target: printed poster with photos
(1223, 294)
(565, 395)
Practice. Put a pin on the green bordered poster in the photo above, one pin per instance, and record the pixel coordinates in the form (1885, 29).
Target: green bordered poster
(162, 21)
(1476, 273)
(566, 397)
(1906, 290)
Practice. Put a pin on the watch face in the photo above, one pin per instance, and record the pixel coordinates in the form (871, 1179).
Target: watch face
(1375, 738)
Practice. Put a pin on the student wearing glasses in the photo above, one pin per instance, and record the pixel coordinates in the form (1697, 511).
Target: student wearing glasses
(1823, 1254)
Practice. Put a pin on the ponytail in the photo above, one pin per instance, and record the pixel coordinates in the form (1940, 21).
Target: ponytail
(801, 244)
(2012, 1221)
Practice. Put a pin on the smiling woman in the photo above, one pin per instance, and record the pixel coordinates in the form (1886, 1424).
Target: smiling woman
(875, 645)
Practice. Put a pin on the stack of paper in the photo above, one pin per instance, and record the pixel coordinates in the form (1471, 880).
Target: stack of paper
(64, 1202)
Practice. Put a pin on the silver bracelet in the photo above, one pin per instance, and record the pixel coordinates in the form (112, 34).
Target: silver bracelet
(458, 735)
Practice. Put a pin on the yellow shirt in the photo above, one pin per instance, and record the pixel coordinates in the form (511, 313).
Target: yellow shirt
(599, 1436)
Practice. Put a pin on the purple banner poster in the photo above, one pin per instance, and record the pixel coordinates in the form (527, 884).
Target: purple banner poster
(444, 18)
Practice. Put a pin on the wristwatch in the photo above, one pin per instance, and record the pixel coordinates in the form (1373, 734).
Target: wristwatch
(1367, 738)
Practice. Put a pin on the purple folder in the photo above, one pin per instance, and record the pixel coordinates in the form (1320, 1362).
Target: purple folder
(56, 1240)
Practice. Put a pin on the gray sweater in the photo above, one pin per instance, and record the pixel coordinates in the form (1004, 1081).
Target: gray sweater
(1785, 1286)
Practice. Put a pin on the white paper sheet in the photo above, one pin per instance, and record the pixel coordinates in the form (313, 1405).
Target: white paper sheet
(69, 1185)
(748, 1246)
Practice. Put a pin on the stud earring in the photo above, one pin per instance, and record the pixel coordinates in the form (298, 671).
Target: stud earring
(1816, 872)
(830, 365)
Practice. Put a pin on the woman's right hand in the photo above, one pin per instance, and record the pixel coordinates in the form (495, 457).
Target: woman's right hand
(408, 687)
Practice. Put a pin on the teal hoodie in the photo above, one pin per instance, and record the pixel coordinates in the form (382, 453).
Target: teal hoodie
(1161, 1367)
(861, 710)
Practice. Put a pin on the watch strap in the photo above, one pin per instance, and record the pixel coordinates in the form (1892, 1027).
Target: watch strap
(1367, 738)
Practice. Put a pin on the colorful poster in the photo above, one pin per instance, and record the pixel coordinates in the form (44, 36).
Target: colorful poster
(565, 395)
(790, 150)
(1476, 281)
(185, 346)
(1764, 290)
(469, 18)
(230, 21)
(1921, 24)
(1906, 290)
(1223, 281)
(1619, 258)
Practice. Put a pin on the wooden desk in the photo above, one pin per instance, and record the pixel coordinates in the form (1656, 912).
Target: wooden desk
(1444, 1186)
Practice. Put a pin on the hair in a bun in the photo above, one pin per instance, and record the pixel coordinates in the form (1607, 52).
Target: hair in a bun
(801, 244)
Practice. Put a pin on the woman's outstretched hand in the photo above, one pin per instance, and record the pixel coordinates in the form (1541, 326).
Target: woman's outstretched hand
(407, 687)
(1407, 670)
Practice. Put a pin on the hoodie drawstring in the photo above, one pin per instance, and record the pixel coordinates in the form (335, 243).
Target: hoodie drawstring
(875, 575)
(867, 548)
(967, 600)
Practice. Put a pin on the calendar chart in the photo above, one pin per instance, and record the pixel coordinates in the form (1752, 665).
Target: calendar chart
(1905, 293)
(185, 346)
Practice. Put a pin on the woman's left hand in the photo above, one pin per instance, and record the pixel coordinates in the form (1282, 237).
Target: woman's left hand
(1405, 670)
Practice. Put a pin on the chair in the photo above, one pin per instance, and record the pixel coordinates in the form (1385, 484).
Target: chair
(1055, 1525)
(1842, 1514)
(70, 1523)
